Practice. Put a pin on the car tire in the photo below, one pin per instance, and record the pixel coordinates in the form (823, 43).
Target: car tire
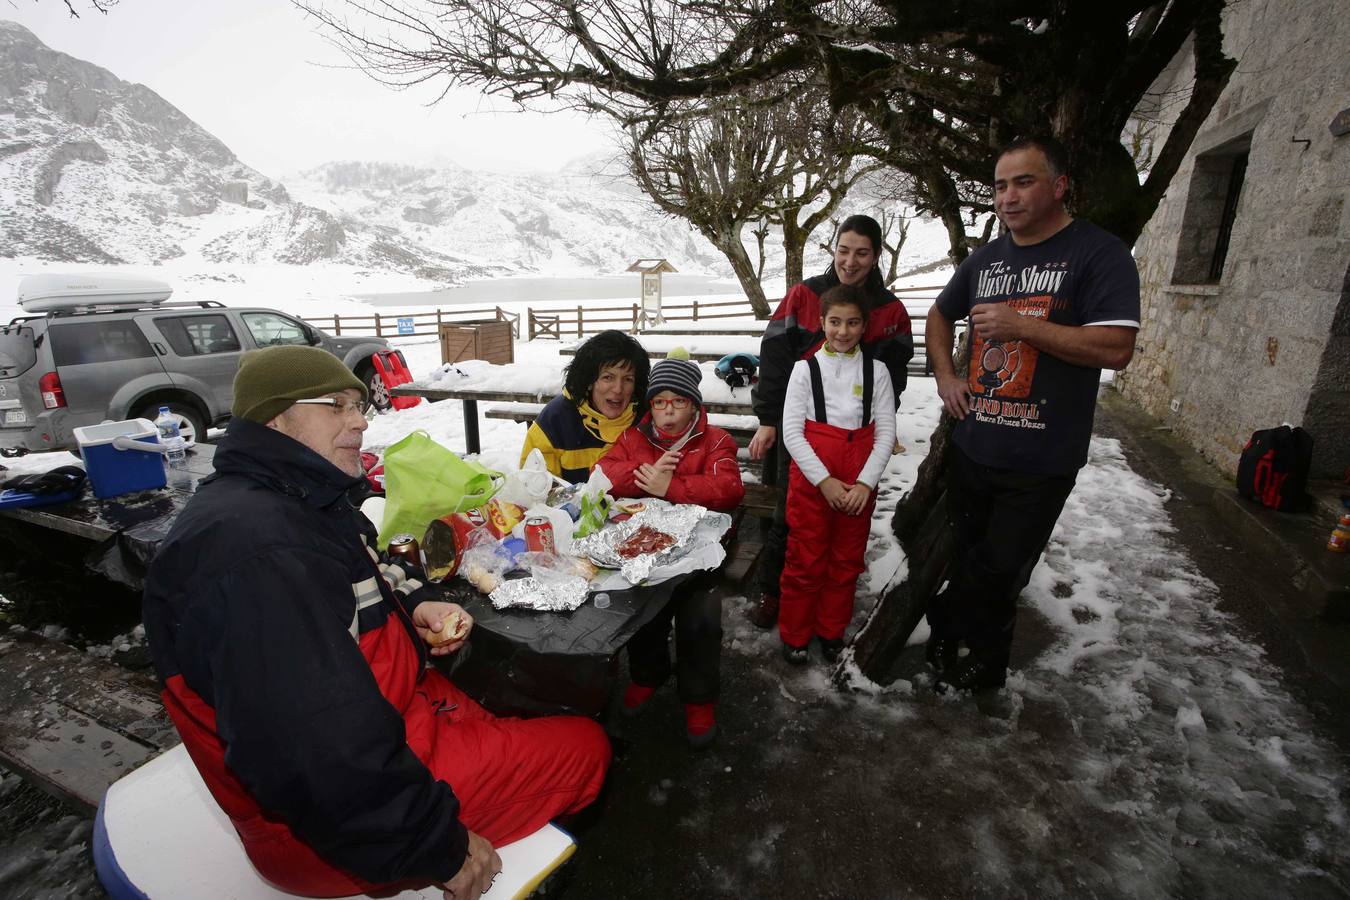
(375, 387)
(190, 424)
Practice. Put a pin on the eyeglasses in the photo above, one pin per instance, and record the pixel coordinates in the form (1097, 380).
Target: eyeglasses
(340, 405)
(673, 402)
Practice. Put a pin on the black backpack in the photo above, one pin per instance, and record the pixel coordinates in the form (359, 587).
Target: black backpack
(1273, 469)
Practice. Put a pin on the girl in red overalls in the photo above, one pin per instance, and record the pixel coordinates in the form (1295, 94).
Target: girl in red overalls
(839, 427)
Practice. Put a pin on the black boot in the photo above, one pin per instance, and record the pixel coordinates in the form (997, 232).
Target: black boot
(977, 672)
(763, 613)
(941, 654)
(832, 649)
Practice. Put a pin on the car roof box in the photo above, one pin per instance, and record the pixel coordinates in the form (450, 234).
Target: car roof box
(54, 293)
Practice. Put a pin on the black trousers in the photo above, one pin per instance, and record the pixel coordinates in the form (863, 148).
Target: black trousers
(773, 555)
(1001, 520)
(695, 610)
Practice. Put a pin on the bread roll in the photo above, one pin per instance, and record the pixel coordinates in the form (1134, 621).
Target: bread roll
(452, 629)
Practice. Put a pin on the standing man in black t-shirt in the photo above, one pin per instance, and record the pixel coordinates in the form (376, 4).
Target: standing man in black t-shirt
(1051, 303)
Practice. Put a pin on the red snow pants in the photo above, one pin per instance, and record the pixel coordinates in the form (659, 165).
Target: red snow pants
(825, 548)
(511, 777)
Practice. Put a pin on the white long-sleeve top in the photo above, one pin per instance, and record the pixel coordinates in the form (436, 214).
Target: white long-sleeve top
(841, 376)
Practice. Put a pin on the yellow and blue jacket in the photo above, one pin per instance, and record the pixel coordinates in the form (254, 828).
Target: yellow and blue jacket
(573, 437)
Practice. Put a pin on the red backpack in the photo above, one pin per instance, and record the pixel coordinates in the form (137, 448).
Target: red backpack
(1273, 469)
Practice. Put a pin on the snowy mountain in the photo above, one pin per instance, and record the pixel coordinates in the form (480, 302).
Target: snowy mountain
(94, 169)
(579, 220)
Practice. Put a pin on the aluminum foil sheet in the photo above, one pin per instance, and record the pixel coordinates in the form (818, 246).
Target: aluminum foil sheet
(675, 519)
(554, 595)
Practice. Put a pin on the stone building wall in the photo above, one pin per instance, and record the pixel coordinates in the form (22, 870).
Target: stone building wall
(1269, 340)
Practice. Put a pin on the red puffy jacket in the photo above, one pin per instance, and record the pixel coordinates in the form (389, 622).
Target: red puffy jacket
(707, 474)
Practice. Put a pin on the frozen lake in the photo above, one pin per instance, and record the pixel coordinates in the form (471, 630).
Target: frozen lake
(555, 290)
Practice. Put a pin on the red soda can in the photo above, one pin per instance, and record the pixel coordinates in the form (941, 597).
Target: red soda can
(539, 534)
(405, 545)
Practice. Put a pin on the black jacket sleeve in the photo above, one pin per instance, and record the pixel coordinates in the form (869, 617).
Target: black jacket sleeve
(308, 731)
(783, 344)
(896, 349)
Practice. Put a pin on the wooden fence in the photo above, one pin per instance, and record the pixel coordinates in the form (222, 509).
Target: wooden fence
(557, 322)
(424, 323)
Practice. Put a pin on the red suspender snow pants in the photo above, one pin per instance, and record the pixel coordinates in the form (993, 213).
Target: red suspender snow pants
(825, 548)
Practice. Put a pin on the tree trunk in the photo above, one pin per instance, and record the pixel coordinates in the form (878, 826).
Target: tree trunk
(794, 247)
(920, 525)
(729, 242)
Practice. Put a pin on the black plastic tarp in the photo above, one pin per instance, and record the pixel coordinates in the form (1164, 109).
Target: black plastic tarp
(528, 663)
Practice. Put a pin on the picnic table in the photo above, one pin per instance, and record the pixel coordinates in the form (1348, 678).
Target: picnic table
(128, 529)
(524, 662)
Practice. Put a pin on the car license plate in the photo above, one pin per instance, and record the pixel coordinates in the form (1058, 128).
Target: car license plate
(15, 417)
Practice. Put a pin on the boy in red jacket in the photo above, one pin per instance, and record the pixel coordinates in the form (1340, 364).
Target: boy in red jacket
(673, 453)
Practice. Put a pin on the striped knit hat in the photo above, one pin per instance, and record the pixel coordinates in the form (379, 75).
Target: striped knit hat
(678, 375)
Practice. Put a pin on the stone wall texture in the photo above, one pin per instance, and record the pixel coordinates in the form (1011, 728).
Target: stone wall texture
(1269, 341)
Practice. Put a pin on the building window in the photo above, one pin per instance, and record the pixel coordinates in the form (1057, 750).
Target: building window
(1211, 211)
(1226, 218)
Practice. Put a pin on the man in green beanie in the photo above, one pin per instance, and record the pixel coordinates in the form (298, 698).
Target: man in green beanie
(308, 395)
(293, 658)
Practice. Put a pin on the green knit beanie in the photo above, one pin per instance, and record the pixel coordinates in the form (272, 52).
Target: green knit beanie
(269, 381)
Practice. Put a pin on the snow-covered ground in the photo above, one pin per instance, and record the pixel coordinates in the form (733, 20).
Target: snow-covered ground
(1185, 757)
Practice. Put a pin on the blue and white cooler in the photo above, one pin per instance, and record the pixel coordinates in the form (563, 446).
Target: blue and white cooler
(121, 457)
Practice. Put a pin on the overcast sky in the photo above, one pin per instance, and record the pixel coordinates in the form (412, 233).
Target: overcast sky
(257, 75)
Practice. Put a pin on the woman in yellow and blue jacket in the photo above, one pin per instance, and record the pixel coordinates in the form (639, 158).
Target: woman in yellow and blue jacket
(597, 405)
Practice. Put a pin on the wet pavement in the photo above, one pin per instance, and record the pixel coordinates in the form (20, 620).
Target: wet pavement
(1174, 726)
(1162, 734)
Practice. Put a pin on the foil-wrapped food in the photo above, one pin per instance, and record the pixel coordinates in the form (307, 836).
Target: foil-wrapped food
(547, 595)
(659, 533)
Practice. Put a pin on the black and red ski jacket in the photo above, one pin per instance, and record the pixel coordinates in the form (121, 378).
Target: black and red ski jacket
(794, 333)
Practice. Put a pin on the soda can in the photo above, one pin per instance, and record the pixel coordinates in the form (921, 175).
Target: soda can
(405, 546)
(539, 534)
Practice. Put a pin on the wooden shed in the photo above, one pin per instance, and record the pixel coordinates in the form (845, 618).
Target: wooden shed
(488, 339)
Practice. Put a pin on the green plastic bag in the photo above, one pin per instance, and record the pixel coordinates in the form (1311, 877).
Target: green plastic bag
(424, 481)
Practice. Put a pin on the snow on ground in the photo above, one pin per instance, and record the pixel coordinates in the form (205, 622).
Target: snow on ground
(1184, 762)
(1179, 757)
(1186, 758)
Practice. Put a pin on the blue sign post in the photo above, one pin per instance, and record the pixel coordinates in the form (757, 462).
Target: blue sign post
(405, 325)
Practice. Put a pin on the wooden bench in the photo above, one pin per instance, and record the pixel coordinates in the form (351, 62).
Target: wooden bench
(742, 428)
(73, 723)
(658, 354)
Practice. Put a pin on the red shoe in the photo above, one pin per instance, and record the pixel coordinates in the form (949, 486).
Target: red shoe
(635, 698)
(700, 723)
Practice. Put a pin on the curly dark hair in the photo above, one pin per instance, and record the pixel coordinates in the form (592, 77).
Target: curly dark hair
(607, 348)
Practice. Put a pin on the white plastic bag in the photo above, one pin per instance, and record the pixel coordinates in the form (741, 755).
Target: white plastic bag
(529, 486)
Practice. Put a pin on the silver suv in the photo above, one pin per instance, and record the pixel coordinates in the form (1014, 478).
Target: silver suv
(99, 352)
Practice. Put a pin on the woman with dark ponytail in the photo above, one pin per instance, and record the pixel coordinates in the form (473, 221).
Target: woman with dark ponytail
(795, 333)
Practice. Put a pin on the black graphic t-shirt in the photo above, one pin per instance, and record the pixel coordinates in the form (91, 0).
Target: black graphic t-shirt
(1032, 412)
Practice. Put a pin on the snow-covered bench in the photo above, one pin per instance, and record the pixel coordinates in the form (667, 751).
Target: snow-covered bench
(742, 428)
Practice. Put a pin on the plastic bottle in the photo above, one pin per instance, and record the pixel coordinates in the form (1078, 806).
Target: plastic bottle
(1339, 542)
(169, 436)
